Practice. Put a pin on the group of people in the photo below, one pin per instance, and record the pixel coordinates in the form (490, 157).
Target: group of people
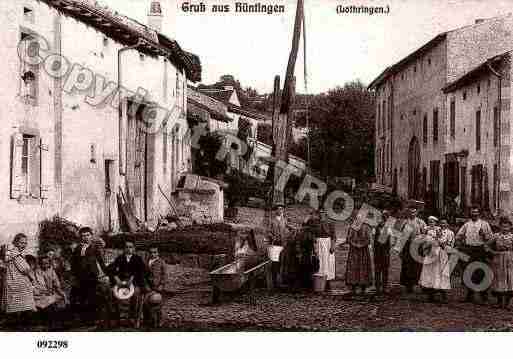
(483, 259)
(28, 284)
(307, 252)
(99, 293)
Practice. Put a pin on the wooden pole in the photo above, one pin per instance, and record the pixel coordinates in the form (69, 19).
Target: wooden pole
(282, 121)
(276, 110)
(285, 101)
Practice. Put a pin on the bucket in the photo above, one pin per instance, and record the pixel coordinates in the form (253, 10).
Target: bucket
(273, 252)
(319, 282)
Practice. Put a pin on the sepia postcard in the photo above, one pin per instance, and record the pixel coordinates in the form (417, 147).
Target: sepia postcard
(254, 166)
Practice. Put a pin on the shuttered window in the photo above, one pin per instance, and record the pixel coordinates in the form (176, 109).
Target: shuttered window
(164, 149)
(29, 166)
(383, 116)
(435, 125)
(495, 126)
(378, 119)
(425, 130)
(495, 186)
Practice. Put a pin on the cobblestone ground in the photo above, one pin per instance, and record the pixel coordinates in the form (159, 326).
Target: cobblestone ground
(309, 312)
(264, 311)
(189, 306)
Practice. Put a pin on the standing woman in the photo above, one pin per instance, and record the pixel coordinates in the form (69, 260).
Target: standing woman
(18, 294)
(501, 246)
(358, 268)
(324, 244)
(435, 275)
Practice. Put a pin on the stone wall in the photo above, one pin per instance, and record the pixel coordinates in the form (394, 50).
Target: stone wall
(201, 200)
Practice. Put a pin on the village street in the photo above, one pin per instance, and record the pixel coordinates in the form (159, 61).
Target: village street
(154, 170)
(188, 305)
(191, 310)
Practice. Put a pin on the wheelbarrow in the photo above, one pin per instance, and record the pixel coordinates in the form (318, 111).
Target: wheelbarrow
(232, 277)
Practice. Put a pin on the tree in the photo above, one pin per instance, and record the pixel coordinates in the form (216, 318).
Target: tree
(250, 92)
(209, 165)
(265, 133)
(298, 148)
(342, 131)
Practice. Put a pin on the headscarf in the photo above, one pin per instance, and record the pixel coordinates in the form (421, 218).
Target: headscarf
(433, 218)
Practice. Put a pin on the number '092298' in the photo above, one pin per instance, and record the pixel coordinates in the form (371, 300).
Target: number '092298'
(52, 344)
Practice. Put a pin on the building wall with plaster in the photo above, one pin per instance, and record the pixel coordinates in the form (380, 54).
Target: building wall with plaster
(81, 140)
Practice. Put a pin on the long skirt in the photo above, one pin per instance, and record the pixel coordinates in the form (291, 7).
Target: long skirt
(326, 259)
(358, 269)
(289, 267)
(410, 267)
(18, 294)
(381, 257)
(502, 266)
(436, 270)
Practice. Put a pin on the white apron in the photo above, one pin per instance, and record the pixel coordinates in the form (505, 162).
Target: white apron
(326, 259)
(436, 270)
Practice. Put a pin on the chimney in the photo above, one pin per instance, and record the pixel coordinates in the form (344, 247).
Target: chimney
(155, 16)
(478, 21)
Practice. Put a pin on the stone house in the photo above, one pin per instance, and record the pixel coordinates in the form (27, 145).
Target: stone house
(419, 150)
(102, 113)
(478, 139)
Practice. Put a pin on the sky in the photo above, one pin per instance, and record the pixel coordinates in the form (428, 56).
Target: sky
(340, 47)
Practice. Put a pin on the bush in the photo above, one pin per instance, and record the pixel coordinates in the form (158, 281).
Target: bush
(57, 232)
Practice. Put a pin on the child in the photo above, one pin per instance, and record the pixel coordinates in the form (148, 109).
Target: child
(501, 246)
(435, 276)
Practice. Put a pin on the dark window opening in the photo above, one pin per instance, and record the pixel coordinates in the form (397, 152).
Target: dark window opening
(435, 125)
(478, 130)
(29, 74)
(425, 129)
(453, 119)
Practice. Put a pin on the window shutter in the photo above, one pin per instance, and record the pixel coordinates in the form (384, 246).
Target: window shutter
(35, 167)
(44, 170)
(16, 173)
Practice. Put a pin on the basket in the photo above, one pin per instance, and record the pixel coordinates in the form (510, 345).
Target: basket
(273, 252)
(319, 282)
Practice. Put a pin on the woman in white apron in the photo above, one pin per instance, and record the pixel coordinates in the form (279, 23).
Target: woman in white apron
(324, 246)
(435, 276)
